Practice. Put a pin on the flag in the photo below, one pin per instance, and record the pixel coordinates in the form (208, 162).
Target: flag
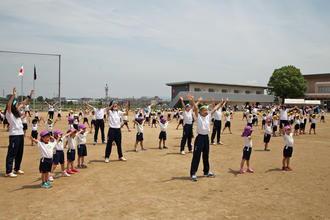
(35, 73)
(21, 71)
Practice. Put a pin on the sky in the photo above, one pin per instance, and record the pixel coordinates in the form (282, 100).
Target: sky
(137, 46)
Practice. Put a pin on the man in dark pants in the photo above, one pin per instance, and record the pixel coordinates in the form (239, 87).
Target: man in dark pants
(217, 122)
(187, 127)
(99, 122)
(114, 135)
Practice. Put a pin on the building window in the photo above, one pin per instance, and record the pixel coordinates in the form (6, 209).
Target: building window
(237, 91)
(259, 92)
(224, 90)
(247, 92)
(197, 90)
(211, 90)
(324, 89)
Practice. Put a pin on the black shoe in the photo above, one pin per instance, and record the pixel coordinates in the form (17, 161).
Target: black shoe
(165, 147)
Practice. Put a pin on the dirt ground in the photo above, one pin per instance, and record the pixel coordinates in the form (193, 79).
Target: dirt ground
(155, 184)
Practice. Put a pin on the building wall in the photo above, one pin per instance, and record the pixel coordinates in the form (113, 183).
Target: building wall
(178, 88)
(313, 83)
(229, 89)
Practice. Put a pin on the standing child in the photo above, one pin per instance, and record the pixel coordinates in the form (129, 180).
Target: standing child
(263, 123)
(275, 124)
(288, 148)
(247, 150)
(34, 126)
(249, 120)
(71, 141)
(86, 118)
(24, 122)
(313, 124)
(302, 125)
(162, 135)
(58, 156)
(139, 136)
(154, 120)
(49, 125)
(36, 114)
(322, 116)
(46, 147)
(82, 149)
(75, 121)
(59, 114)
(202, 142)
(296, 125)
(125, 120)
(268, 134)
(227, 124)
(181, 120)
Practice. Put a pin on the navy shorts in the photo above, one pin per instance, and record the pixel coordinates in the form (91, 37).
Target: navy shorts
(227, 125)
(93, 122)
(147, 119)
(267, 138)
(139, 136)
(322, 117)
(287, 152)
(82, 150)
(125, 123)
(283, 123)
(296, 127)
(75, 126)
(71, 155)
(45, 165)
(275, 128)
(59, 115)
(162, 135)
(34, 134)
(181, 121)
(58, 157)
(247, 153)
(154, 121)
(25, 127)
(313, 125)
(302, 125)
(263, 122)
(85, 120)
(249, 124)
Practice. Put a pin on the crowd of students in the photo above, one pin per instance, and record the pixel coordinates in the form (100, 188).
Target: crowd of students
(290, 122)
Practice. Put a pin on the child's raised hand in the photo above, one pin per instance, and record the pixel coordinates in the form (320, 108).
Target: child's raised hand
(200, 99)
(226, 99)
(181, 98)
(14, 91)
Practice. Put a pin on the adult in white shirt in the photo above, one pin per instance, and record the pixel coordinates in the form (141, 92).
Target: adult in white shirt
(99, 113)
(217, 121)
(202, 143)
(284, 117)
(51, 109)
(16, 135)
(187, 127)
(114, 133)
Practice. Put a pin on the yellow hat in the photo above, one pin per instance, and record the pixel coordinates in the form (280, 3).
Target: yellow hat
(275, 116)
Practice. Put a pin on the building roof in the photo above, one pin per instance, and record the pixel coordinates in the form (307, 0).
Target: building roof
(208, 83)
(316, 75)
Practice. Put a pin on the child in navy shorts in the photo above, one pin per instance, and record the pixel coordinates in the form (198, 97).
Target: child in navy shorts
(268, 134)
(71, 141)
(247, 149)
(162, 135)
(46, 146)
(82, 149)
(139, 122)
(288, 148)
(313, 124)
(58, 157)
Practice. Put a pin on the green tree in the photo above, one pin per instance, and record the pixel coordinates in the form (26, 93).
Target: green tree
(287, 82)
(40, 99)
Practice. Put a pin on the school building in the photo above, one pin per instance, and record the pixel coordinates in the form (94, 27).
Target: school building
(318, 88)
(237, 94)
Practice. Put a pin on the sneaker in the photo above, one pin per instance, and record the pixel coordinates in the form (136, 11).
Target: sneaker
(19, 172)
(191, 151)
(48, 184)
(183, 153)
(50, 178)
(267, 149)
(106, 160)
(193, 178)
(283, 168)
(79, 166)
(83, 166)
(74, 170)
(165, 147)
(211, 175)
(12, 175)
(70, 172)
(144, 149)
(65, 174)
(122, 159)
(44, 185)
(250, 170)
(95, 143)
(136, 150)
(103, 142)
(241, 171)
(220, 143)
(288, 169)
(212, 143)
(160, 148)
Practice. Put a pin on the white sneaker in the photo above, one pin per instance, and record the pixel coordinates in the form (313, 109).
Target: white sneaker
(212, 143)
(220, 143)
(65, 174)
(11, 175)
(19, 172)
(183, 153)
(50, 178)
(106, 160)
(122, 159)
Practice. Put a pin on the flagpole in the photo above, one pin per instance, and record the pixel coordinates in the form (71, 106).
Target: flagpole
(34, 98)
(22, 89)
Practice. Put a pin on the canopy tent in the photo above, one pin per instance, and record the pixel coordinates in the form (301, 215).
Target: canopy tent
(301, 102)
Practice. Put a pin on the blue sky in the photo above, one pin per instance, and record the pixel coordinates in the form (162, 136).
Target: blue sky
(138, 46)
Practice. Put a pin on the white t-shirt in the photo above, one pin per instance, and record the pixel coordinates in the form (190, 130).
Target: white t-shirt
(27, 108)
(36, 114)
(72, 142)
(24, 120)
(16, 126)
(284, 114)
(162, 126)
(302, 121)
(99, 113)
(140, 127)
(227, 117)
(50, 108)
(288, 140)
(313, 120)
(268, 129)
(46, 150)
(188, 117)
(59, 145)
(49, 127)
(82, 138)
(203, 124)
(125, 117)
(297, 121)
(275, 122)
(114, 118)
(34, 126)
(218, 114)
(248, 143)
(250, 120)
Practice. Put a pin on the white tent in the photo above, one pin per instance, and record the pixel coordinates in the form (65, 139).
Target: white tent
(301, 102)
